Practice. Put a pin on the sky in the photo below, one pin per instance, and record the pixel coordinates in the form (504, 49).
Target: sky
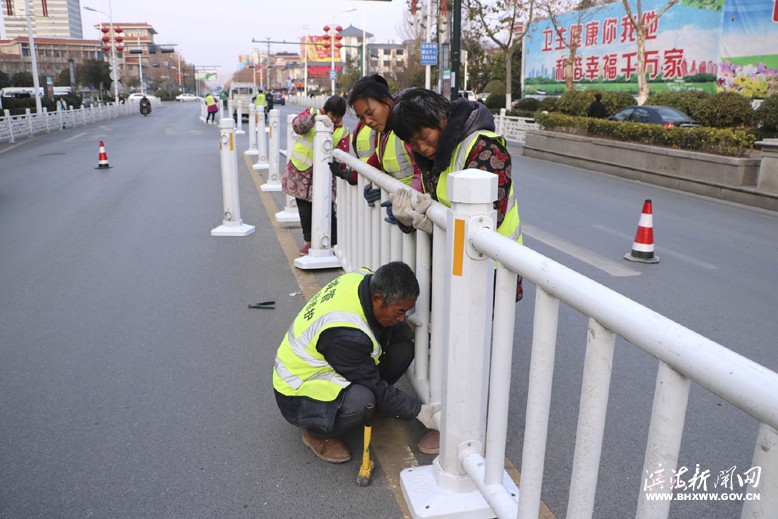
(216, 32)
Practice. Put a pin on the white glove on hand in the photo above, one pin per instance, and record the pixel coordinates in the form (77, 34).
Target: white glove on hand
(401, 206)
(418, 213)
(425, 415)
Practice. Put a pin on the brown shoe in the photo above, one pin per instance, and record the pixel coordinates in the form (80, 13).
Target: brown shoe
(329, 449)
(430, 442)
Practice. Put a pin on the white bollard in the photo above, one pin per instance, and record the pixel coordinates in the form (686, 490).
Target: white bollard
(262, 162)
(232, 224)
(252, 131)
(321, 255)
(274, 174)
(221, 109)
(203, 111)
(240, 131)
(290, 216)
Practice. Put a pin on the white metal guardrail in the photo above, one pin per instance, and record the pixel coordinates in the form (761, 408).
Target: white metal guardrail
(461, 309)
(13, 127)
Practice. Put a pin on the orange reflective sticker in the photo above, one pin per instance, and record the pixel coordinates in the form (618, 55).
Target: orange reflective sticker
(459, 247)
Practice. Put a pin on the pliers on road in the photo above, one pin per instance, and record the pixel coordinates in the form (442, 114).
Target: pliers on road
(266, 305)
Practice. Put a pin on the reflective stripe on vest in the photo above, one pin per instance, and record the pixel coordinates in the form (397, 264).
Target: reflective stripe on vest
(209, 100)
(395, 160)
(511, 224)
(300, 370)
(260, 100)
(365, 143)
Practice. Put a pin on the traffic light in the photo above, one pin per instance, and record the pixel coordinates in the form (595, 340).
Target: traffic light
(166, 51)
(152, 48)
(135, 51)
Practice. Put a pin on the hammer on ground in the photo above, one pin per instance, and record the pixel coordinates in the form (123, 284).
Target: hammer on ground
(366, 470)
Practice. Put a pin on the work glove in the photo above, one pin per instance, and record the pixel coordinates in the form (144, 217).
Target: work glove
(337, 169)
(420, 204)
(425, 415)
(372, 194)
(389, 214)
(401, 206)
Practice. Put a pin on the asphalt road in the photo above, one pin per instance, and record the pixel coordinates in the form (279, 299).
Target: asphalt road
(134, 381)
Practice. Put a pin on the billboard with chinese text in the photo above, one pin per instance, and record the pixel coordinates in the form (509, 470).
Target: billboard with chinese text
(694, 45)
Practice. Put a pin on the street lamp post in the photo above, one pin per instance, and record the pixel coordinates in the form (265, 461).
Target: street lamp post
(35, 79)
(115, 71)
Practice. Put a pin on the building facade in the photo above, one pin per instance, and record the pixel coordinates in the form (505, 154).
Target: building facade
(49, 18)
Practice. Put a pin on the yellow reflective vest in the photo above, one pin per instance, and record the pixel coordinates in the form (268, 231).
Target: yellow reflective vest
(395, 159)
(260, 100)
(300, 370)
(511, 224)
(302, 153)
(364, 144)
(209, 100)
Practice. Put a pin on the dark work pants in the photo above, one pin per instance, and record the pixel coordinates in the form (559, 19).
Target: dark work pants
(305, 208)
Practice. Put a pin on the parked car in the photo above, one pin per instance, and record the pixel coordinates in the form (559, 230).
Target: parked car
(137, 96)
(653, 114)
(186, 96)
(278, 99)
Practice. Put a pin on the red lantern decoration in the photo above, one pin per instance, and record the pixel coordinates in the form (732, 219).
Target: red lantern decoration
(104, 29)
(105, 39)
(119, 38)
(117, 29)
(338, 28)
(326, 28)
(120, 48)
(106, 48)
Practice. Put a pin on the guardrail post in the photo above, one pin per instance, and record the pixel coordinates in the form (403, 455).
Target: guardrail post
(252, 131)
(29, 120)
(321, 255)
(204, 111)
(46, 118)
(240, 131)
(444, 489)
(273, 184)
(274, 173)
(290, 216)
(232, 224)
(59, 114)
(10, 122)
(766, 458)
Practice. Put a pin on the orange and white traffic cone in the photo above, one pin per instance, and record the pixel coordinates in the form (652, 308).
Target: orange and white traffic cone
(102, 158)
(643, 246)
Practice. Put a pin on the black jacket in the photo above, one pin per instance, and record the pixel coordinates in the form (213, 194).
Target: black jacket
(348, 351)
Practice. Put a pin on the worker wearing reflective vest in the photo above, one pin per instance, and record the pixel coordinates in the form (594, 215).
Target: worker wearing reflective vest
(448, 137)
(297, 179)
(363, 141)
(372, 103)
(260, 100)
(346, 348)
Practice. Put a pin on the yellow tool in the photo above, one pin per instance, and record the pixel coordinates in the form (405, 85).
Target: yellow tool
(366, 470)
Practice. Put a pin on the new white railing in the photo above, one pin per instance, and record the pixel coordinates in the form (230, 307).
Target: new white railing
(464, 324)
(13, 127)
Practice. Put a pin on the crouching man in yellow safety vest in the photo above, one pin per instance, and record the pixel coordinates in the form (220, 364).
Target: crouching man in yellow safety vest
(345, 350)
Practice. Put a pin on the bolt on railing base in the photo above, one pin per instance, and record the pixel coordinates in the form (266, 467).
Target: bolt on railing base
(427, 499)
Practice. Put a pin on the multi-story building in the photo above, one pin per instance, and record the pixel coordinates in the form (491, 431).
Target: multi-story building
(49, 18)
(386, 58)
(53, 54)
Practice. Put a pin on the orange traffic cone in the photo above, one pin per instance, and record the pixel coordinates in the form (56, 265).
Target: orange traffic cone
(102, 158)
(643, 246)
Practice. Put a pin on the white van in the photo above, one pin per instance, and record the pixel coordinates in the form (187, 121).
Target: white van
(243, 94)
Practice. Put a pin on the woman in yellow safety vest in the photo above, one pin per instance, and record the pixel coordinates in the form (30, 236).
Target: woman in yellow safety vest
(297, 179)
(451, 136)
(372, 103)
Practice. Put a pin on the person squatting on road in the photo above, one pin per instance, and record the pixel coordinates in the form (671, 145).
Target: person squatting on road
(345, 349)
(297, 179)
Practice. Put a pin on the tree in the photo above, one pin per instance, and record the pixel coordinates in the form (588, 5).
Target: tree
(505, 22)
(22, 79)
(94, 73)
(643, 22)
(5, 80)
(63, 78)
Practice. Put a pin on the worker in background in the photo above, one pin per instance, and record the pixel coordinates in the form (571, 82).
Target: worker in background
(597, 109)
(224, 96)
(345, 349)
(261, 101)
(297, 178)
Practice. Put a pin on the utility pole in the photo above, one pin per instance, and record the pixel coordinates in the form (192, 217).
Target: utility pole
(269, 84)
(456, 29)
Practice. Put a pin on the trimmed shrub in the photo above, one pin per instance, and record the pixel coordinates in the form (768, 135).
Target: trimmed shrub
(548, 104)
(575, 103)
(730, 142)
(615, 101)
(495, 101)
(766, 117)
(725, 110)
(688, 102)
(528, 104)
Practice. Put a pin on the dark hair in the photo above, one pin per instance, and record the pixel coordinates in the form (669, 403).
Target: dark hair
(335, 105)
(417, 108)
(393, 282)
(370, 87)
(598, 96)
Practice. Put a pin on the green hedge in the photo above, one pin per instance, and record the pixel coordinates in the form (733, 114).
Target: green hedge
(730, 142)
(766, 117)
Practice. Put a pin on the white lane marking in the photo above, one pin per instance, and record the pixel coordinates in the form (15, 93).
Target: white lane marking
(597, 261)
(11, 146)
(74, 137)
(665, 252)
